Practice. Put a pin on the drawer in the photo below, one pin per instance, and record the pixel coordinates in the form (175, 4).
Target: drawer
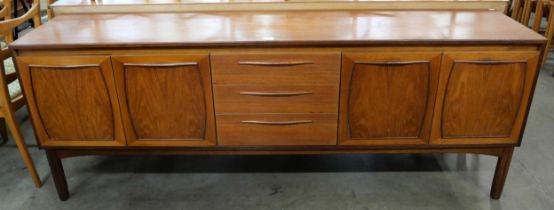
(285, 69)
(277, 129)
(276, 98)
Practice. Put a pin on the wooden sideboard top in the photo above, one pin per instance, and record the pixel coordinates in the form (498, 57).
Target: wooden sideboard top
(151, 2)
(307, 28)
(139, 6)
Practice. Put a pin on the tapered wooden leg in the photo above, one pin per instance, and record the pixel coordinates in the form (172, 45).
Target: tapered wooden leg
(58, 175)
(3, 131)
(20, 142)
(501, 172)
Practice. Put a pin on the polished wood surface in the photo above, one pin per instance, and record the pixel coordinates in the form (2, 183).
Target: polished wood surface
(168, 99)
(483, 97)
(138, 6)
(277, 129)
(387, 98)
(150, 2)
(72, 100)
(309, 28)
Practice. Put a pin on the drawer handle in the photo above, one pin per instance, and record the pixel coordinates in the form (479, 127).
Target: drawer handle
(275, 63)
(65, 66)
(392, 62)
(160, 64)
(292, 122)
(491, 61)
(275, 94)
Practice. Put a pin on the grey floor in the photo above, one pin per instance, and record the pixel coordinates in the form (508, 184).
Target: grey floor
(449, 181)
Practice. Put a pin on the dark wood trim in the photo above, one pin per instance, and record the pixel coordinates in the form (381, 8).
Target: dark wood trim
(501, 172)
(58, 175)
(266, 44)
(277, 150)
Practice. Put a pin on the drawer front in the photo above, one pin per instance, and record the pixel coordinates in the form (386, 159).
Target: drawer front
(277, 129)
(276, 98)
(285, 69)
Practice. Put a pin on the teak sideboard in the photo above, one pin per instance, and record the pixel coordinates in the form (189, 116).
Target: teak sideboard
(332, 82)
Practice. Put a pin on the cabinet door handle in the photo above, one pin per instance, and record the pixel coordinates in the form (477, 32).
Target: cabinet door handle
(291, 122)
(160, 64)
(275, 63)
(275, 94)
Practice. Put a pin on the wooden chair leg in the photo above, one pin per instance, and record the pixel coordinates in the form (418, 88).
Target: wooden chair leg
(58, 175)
(20, 142)
(516, 7)
(549, 34)
(502, 167)
(3, 132)
(538, 15)
(526, 13)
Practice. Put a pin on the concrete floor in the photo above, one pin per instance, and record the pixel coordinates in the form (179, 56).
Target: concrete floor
(343, 182)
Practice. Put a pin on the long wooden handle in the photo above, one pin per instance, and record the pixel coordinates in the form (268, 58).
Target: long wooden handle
(392, 62)
(290, 122)
(64, 66)
(275, 94)
(161, 64)
(275, 63)
(490, 61)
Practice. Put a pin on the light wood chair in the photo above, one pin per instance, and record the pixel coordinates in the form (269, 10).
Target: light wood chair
(515, 9)
(549, 30)
(49, 10)
(11, 97)
(521, 11)
(6, 11)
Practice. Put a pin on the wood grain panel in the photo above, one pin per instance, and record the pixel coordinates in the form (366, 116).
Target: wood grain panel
(73, 103)
(387, 98)
(72, 100)
(276, 129)
(276, 68)
(276, 98)
(483, 97)
(167, 100)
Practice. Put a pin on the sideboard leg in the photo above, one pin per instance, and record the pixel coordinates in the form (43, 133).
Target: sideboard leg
(58, 174)
(501, 172)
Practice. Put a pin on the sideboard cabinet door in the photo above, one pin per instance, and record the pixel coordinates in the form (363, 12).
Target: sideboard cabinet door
(72, 100)
(482, 97)
(166, 100)
(387, 98)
